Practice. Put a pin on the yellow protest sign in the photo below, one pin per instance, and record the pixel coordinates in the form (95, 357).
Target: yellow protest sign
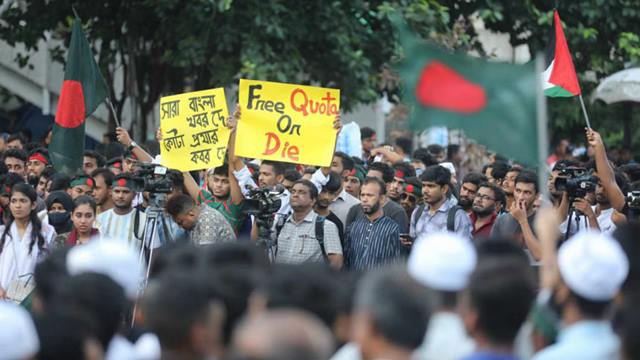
(287, 122)
(194, 131)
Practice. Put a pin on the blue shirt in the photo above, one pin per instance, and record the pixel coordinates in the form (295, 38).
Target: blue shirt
(371, 244)
(429, 224)
(481, 355)
(584, 340)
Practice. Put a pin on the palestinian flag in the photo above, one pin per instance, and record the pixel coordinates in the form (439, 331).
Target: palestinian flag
(493, 103)
(82, 91)
(559, 78)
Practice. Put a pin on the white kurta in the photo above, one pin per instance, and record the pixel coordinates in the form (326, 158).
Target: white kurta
(15, 259)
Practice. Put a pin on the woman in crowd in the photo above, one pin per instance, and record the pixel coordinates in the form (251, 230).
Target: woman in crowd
(24, 240)
(83, 217)
(59, 206)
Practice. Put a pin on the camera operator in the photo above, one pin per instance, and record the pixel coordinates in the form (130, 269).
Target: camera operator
(299, 240)
(205, 225)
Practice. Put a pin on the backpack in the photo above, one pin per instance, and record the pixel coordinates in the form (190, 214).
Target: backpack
(451, 216)
(319, 234)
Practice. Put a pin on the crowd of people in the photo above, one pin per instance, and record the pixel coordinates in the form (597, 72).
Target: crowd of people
(399, 253)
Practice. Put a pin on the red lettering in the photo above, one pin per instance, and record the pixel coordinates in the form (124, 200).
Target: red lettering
(273, 145)
(325, 107)
(270, 150)
(303, 107)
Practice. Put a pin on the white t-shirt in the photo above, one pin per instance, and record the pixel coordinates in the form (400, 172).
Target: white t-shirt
(15, 259)
(121, 227)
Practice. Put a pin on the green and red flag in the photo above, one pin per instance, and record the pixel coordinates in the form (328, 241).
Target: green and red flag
(493, 103)
(559, 78)
(82, 91)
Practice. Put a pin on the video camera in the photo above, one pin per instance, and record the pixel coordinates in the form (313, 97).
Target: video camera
(576, 181)
(152, 178)
(633, 200)
(263, 201)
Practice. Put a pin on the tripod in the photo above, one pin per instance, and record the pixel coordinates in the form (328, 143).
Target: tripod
(578, 217)
(154, 214)
(265, 235)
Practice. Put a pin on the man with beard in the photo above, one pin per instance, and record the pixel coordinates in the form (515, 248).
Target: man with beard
(123, 222)
(102, 191)
(484, 209)
(299, 240)
(468, 190)
(15, 160)
(372, 240)
(401, 172)
(37, 161)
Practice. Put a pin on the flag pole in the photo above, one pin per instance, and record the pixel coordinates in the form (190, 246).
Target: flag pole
(113, 111)
(584, 111)
(543, 132)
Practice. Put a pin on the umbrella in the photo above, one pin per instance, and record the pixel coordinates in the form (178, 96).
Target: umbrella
(621, 86)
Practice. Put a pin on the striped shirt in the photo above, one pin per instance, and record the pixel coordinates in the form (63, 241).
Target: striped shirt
(372, 244)
(122, 227)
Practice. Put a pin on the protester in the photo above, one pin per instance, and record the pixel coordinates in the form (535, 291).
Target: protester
(341, 201)
(290, 177)
(325, 198)
(402, 171)
(468, 190)
(411, 196)
(282, 335)
(484, 210)
(438, 214)
(373, 239)
(204, 224)
(369, 139)
(37, 161)
(16, 161)
(59, 207)
(83, 217)
(299, 240)
(103, 178)
(391, 314)
(354, 181)
(123, 222)
(509, 185)
(92, 161)
(518, 223)
(391, 209)
(222, 193)
(24, 239)
(342, 164)
(592, 268)
(16, 142)
(81, 185)
(429, 264)
(495, 305)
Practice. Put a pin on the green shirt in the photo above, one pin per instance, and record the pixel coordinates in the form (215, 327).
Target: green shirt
(232, 212)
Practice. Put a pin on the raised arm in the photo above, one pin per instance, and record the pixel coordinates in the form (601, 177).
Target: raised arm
(125, 139)
(605, 172)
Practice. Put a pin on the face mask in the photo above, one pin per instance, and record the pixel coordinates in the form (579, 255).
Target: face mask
(59, 218)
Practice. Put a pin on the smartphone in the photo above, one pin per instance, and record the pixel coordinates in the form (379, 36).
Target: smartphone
(406, 239)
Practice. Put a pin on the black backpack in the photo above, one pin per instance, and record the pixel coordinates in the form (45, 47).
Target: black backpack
(319, 234)
(451, 216)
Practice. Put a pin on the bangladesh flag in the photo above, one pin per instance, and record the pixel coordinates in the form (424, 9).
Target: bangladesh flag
(493, 103)
(82, 91)
(559, 78)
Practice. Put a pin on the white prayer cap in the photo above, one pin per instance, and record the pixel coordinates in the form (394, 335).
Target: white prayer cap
(18, 336)
(449, 166)
(593, 265)
(109, 257)
(442, 261)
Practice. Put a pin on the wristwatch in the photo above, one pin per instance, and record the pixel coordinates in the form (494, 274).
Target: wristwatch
(132, 145)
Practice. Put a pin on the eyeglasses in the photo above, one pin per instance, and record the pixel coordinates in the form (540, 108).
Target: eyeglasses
(406, 196)
(485, 197)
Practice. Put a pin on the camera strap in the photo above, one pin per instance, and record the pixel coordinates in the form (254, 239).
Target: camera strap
(320, 236)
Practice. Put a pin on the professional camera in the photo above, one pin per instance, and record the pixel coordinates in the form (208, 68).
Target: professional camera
(152, 178)
(633, 200)
(575, 181)
(263, 201)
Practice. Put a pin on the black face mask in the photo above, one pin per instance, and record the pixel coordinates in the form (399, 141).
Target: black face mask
(59, 219)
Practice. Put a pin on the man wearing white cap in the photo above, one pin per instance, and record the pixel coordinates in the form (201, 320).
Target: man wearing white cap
(18, 337)
(592, 267)
(443, 262)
